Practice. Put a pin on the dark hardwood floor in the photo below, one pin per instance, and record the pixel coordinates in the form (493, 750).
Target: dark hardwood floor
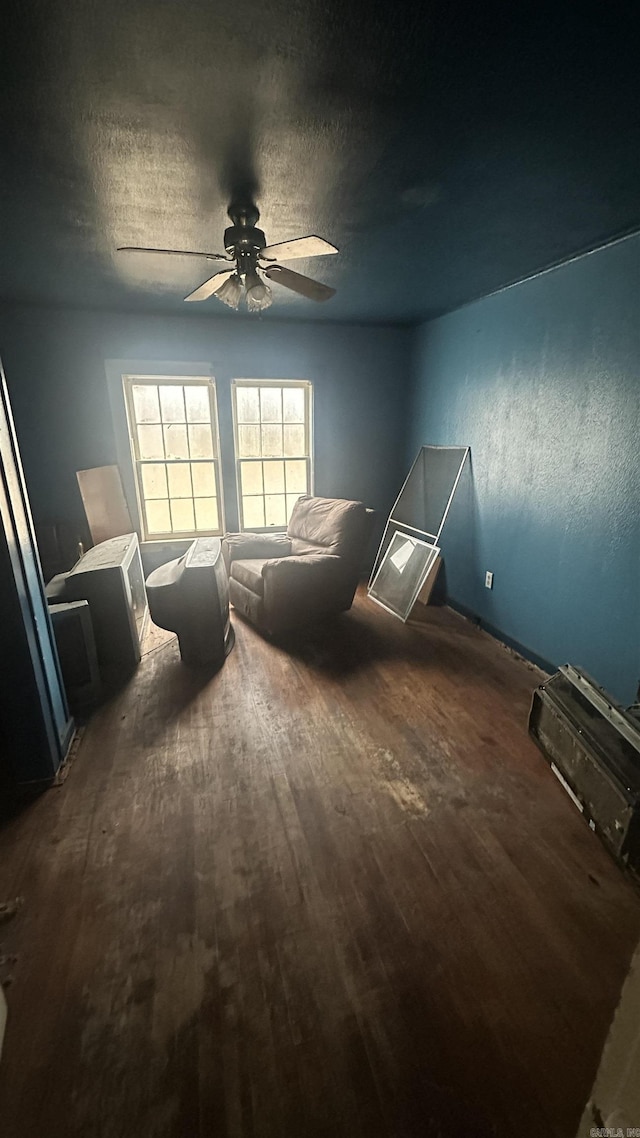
(333, 890)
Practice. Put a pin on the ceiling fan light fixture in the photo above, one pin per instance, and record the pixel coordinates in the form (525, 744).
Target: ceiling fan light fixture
(231, 292)
(258, 293)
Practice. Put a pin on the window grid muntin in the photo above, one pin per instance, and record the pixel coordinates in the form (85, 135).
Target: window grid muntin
(305, 455)
(184, 383)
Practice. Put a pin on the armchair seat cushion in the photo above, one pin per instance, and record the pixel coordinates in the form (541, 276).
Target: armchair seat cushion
(248, 572)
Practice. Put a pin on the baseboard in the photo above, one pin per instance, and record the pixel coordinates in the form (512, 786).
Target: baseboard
(498, 634)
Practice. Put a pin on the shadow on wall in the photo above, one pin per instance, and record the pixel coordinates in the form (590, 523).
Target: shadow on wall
(459, 541)
(465, 561)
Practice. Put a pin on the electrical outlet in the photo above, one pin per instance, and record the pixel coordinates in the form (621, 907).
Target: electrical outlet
(488, 580)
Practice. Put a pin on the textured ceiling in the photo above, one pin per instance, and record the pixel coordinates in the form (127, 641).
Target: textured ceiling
(446, 149)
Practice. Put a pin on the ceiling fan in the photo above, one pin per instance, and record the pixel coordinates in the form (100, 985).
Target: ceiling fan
(246, 246)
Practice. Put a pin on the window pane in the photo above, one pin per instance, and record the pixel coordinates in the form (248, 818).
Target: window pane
(293, 404)
(154, 480)
(158, 517)
(275, 510)
(249, 442)
(291, 501)
(206, 513)
(175, 441)
(273, 473)
(173, 438)
(248, 404)
(201, 442)
(251, 477)
(182, 514)
(272, 425)
(150, 442)
(198, 406)
(296, 474)
(179, 481)
(145, 403)
(253, 512)
(172, 403)
(271, 404)
(204, 479)
(294, 441)
(272, 441)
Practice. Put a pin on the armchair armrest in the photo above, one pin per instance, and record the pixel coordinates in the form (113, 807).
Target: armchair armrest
(237, 546)
(302, 585)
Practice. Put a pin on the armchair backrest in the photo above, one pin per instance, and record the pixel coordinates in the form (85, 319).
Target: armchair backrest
(330, 525)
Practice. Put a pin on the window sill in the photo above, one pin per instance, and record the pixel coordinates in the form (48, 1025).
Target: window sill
(172, 541)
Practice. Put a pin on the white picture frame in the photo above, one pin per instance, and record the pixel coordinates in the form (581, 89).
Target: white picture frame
(403, 570)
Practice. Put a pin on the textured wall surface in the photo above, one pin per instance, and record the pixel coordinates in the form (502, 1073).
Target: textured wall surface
(543, 381)
(55, 366)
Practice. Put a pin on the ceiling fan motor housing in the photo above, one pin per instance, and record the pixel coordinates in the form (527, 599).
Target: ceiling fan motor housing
(242, 239)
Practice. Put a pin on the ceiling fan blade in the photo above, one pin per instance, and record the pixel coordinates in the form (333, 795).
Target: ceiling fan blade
(208, 287)
(173, 252)
(313, 290)
(301, 247)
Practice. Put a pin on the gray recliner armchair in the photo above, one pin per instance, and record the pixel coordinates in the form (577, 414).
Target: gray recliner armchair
(281, 581)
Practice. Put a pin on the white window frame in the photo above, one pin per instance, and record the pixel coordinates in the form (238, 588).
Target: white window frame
(307, 387)
(128, 382)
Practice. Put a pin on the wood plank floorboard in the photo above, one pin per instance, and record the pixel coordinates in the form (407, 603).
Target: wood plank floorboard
(333, 890)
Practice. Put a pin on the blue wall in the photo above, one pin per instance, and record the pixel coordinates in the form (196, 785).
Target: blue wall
(55, 366)
(543, 381)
